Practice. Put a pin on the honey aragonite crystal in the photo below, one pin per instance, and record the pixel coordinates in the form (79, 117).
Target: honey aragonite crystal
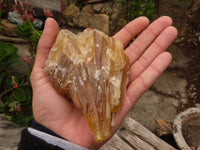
(91, 69)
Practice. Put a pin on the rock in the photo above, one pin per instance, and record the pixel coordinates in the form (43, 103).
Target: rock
(38, 23)
(91, 69)
(87, 9)
(98, 7)
(161, 101)
(9, 134)
(9, 28)
(70, 12)
(15, 17)
(84, 19)
(152, 106)
(116, 13)
(107, 16)
(107, 9)
(197, 105)
(100, 22)
(165, 83)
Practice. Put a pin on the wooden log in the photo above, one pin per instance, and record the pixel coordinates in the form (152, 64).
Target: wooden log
(93, 1)
(164, 127)
(116, 143)
(146, 135)
(135, 141)
(13, 39)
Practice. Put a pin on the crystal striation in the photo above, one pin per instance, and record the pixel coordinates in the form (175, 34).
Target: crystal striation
(91, 69)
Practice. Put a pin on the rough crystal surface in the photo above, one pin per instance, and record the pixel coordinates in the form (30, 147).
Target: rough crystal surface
(91, 69)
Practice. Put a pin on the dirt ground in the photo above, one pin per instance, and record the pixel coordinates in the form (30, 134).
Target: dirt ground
(189, 43)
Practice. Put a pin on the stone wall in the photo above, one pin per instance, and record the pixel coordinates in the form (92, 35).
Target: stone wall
(107, 16)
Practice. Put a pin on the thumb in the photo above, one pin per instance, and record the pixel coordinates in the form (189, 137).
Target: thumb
(49, 34)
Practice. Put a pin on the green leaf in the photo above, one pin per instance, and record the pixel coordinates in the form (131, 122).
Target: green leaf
(8, 99)
(8, 82)
(0, 16)
(28, 32)
(9, 117)
(22, 94)
(19, 95)
(2, 107)
(8, 56)
(140, 8)
(22, 120)
(11, 105)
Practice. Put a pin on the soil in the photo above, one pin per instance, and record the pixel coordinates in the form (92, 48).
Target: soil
(192, 74)
(188, 42)
(191, 131)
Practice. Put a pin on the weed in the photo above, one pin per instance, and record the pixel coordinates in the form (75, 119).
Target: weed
(136, 8)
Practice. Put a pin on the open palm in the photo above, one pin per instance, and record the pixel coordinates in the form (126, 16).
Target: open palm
(147, 61)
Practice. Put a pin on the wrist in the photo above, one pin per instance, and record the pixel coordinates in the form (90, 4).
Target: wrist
(51, 137)
(39, 127)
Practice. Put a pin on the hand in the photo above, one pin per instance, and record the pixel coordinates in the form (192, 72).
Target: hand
(147, 61)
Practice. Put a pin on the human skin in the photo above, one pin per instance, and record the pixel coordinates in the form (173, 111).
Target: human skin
(148, 60)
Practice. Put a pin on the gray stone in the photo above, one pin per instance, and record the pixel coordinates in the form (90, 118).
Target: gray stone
(9, 134)
(161, 101)
(152, 106)
(15, 17)
(53, 5)
(38, 23)
(171, 84)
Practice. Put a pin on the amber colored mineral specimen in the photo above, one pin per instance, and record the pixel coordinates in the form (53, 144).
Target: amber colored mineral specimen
(91, 69)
